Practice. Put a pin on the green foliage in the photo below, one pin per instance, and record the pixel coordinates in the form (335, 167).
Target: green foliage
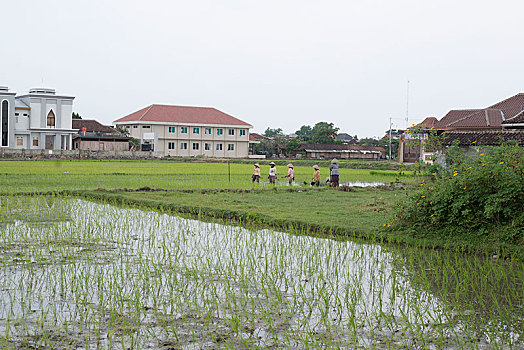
(122, 130)
(273, 132)
(76, 116)
(305, 134)
(324, 133)
(479, 197)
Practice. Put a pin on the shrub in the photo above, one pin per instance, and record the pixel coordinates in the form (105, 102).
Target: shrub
(477, 195)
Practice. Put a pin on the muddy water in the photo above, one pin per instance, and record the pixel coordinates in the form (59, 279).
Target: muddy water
(76, 274)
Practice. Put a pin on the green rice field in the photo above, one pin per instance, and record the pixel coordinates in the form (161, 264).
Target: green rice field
(86, 268)
(55, 175)
(77, 274)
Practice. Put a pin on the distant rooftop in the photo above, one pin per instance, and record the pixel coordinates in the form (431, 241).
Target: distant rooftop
(45, 91)
(4, 88)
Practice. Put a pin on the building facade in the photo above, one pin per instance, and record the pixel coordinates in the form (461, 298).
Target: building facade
(188, 131)
(94, 136)
(40, 119)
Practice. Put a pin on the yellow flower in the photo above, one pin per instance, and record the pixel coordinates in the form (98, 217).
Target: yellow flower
(431, 202)
(455, 174)
(432, 214)
(389, 225)
(474, 142)
(483, 164)
(465, 187)
(481, 154)
(468, 168)
(421, 184)
(423, 197)
(501, 163)
(384, 225)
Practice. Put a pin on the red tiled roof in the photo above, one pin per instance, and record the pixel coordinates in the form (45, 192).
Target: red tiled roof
(511, 106)
(453, 116)
(428, 123)
(518, 119)
(182, 114)
(484, 118)
(93, 126)
(254, 137)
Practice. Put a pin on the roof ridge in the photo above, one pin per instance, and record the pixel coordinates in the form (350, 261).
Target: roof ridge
(518, 94)
(143, 115)
(465, 117)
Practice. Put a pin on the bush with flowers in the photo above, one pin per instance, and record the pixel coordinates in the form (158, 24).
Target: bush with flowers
(478, 197)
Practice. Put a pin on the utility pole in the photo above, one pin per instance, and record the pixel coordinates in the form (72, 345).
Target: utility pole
(407, 106)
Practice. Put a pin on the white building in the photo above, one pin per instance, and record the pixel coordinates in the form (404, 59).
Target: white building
(188, 131)
(40, 119)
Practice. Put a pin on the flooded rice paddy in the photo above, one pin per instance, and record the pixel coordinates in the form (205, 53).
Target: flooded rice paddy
(81, 275)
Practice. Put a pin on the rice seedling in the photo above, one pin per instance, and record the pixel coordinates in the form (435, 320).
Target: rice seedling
(78, 274)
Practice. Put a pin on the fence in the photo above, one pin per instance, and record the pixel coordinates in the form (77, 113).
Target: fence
(74, 154)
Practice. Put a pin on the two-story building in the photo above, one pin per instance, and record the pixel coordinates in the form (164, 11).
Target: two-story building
(40, 119)
(188, 131)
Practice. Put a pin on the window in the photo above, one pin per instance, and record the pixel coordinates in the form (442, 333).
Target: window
(127, 126)
(207, 146)
(230, 147)
(17, 114)
(35, 141)
(219, 147)
(196, 130)
(146, 126)
(19, 141)
(4, 120)
(183, 145)
(183, 130)
(231, 131)
(195, 145)
(51, 119)
(220, 131)
(25, 114)
(207, 131)
(170, 145)
(171, 129)
(135, 126)
(242, 132)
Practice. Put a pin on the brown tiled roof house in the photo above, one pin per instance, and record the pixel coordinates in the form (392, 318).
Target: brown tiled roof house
(98, 137)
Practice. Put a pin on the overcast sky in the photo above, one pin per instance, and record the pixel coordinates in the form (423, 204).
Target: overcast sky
(271, 63)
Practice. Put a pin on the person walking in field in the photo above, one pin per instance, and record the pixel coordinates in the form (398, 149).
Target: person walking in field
(316, 176)
(333, 168)
(256, 173)
(290, 173)
(272, 173)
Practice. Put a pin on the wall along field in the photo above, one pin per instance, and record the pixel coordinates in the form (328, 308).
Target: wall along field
(82, 274)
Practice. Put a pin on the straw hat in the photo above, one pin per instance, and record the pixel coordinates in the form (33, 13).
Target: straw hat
(290, 165)
(315, 167)
(272, 163)
(256, 164)
(334, 161)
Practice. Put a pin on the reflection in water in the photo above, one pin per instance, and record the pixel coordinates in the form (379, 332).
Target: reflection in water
(117, 277)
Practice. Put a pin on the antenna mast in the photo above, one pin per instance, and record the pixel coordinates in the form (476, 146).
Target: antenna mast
(407, 105)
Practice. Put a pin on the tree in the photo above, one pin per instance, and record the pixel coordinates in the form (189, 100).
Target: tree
(76, 116)
(305, 134)
(273, 132)
(324, 133)
(122, 130)
(292, 145)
